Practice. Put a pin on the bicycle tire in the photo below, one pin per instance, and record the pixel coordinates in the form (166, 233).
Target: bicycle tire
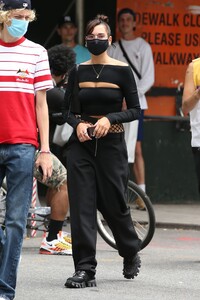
(143, 220)
(38, 214)
(2, 205)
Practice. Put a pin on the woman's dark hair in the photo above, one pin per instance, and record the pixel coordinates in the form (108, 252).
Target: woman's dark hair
(61, 59)
(99, 19)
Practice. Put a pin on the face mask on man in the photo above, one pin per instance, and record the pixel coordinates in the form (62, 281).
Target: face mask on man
(97, 46)
(18, 28)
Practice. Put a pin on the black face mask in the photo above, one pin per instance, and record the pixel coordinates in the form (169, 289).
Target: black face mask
(97, 46)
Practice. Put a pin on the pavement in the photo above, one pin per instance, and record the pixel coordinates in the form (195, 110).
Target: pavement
(174, 216)
(185, 216)
(169, 216)
(167, 263)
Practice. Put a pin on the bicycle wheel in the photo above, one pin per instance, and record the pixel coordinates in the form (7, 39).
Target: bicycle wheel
(143, 220)
(2, 205)
(38, 217)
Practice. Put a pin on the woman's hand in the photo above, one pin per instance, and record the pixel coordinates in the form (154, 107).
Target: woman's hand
(101, 127)
(81, 131)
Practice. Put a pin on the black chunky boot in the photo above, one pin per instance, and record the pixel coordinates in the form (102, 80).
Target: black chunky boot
(131, 266)
(80, 279)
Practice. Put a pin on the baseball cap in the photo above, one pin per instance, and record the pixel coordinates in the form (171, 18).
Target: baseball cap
(66, 19)
(126, 11)
(15, 4)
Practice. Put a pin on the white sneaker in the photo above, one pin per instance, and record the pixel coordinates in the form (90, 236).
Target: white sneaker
(55, 247)
(66, 236)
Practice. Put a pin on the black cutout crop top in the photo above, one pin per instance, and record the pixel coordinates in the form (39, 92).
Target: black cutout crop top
(102, 101)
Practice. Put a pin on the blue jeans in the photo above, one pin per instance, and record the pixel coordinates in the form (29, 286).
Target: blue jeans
(16, 164)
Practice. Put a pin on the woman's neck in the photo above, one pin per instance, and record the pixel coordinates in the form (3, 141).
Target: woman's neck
(100, 59)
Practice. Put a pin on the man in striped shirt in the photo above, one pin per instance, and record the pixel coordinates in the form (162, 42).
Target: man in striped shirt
(24, 79)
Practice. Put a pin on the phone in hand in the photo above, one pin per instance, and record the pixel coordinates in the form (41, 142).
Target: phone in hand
(90, 131)
(40, 170)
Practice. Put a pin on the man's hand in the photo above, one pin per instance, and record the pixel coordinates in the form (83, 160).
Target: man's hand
(44, 161)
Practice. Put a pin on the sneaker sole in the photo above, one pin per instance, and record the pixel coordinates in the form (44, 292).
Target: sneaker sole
(136, 267)
(46, 252)
(77, 285)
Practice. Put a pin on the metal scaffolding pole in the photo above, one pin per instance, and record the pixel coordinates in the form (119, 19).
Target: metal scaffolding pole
(55, 28)
(80, 20)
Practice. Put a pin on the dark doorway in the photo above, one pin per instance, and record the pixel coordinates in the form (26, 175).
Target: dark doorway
(43, 31)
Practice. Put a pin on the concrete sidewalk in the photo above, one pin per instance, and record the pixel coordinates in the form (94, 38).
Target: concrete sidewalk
(166, 265)
(180, 216)
(186, 216)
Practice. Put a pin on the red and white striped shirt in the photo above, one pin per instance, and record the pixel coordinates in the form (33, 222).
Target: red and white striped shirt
(24, 69)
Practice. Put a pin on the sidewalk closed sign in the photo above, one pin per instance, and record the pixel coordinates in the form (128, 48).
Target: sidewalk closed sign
(172, 28)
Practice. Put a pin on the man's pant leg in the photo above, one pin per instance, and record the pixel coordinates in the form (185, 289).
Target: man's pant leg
(18, 162)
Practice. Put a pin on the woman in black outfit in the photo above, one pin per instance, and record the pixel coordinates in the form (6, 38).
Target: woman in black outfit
(97, 161)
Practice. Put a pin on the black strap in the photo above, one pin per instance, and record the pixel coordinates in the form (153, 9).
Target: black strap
(128, 60)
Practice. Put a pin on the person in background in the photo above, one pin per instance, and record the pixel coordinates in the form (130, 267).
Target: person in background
(67, 31)
(24, 79)
(97, 164)
(61, 60)
(140, 55)
(191, 105)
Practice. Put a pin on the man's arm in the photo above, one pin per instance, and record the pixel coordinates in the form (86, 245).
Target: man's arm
(44, 159)
(147, 70)
(191, 95)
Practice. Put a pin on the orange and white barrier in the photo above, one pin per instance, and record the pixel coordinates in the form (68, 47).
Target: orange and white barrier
(33, 205)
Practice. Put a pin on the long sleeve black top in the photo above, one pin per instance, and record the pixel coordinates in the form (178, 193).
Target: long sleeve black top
(107, 101)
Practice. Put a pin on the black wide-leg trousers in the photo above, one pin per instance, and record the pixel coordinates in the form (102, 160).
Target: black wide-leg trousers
(97, 176)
